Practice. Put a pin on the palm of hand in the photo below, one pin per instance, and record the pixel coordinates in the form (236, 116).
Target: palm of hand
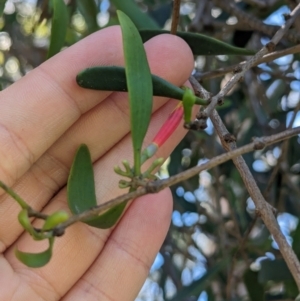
(43, 119)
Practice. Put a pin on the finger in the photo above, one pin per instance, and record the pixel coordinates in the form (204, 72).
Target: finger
(124, 263)
(81, 245)
(143, 227)
(100, 128)
(38, 109)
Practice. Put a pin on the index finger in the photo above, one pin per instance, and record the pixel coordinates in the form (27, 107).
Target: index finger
(38, 109)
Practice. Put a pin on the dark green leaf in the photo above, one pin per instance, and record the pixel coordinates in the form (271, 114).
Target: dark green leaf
(199, 285)
(274, 270)
(296, 240)
(131, 9)
(2, 5)
(140, 95)
(107, 219)
(291, 289)
(36, 260)
(89, 10)
(81, 184)
(60, 21)
(113, 78)
(255, 289)
(200, 44)
(81, 191)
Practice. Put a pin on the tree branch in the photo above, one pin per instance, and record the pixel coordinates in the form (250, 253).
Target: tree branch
(252, 21)
(252, 61)
(265, 59)
(263, 209)
(175, 16)
(154, 187)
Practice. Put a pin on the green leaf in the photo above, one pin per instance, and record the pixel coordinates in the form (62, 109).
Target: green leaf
(200, 44)
(139, 84)
(256, 291)
(89, 11)
(113, 78)
(200, 285)
(81, 191)
(274, 270)
(36, 260)
(107, 219)
(2, 5)
(25, 222)
(296, 240)
(60, 21)
(131, 9)
(81, 184)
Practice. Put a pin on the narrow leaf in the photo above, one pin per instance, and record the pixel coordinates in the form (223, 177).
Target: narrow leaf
(2, 6)
(113, 78)
(200, 44)
(81, 191)
(89, 11)
(107, 219)
(36, 260)
(81, 184)
(139, 84)
(131, 9)
(256, 290)
(274, 270)
(25, 221)
(60, 21)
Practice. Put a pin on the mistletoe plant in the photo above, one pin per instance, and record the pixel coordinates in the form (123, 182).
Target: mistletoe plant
(81, 185)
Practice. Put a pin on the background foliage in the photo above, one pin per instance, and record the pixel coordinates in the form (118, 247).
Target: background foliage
(216, 248)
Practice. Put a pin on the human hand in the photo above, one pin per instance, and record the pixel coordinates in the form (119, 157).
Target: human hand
(44, 117)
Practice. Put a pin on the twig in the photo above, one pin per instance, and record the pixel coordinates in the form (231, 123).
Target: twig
(200, 14)
(240, 249)
(253, 21)
(252, 61)
(283, 155)
(259, 3)
(263, 209)
(175, 16)
(265, 59)
(154, 187)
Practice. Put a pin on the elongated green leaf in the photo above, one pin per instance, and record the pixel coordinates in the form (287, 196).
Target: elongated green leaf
(200, 44)
(81, 191)
(274, 270)
(2, 5)
(36, 260)
(81, 184)
(107, 219)
(199, 285)
(60, 21)
(89, 10)
(113, 78)
(139, 84)
(131, 9)
(296, 240)
(25, 221)
(256, 291)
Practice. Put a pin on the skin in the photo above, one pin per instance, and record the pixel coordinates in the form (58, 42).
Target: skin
(44, 117)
